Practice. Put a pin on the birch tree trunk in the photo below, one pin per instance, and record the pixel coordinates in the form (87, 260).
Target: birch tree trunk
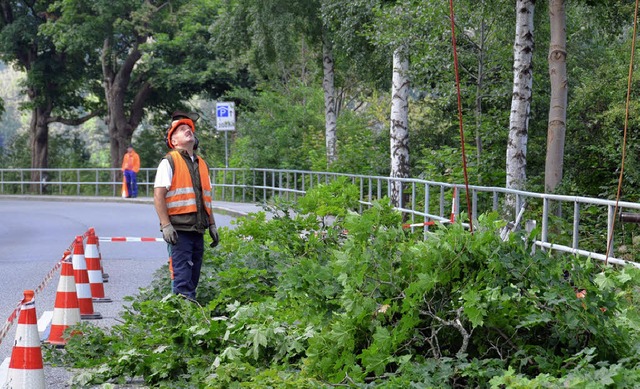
(521, 99)
(330, 111)
(399, 124)
(558, 104)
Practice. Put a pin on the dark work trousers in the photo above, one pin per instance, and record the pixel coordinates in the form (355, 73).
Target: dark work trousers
(187, 261)
(132, 183)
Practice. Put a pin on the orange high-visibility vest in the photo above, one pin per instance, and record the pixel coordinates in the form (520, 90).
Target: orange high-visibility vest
(181, 197)
(131, 161)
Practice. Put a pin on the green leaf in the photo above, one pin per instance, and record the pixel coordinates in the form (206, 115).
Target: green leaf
(377, 356)
(258, 338)
(475, 315)
(603, 282)
(474, 308)
(623, 276)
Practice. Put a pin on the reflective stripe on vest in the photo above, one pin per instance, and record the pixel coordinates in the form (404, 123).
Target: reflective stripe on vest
(181, 197)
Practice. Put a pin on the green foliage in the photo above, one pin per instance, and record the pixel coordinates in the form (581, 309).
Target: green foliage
(208, 47)
(288, 301)
(274, 125)
(9, 101)
(336, 199)
(150, 145)
(275, 39)
(583, 375)
(361, 147)
(66, 149)
(444, 165)
(356, 56)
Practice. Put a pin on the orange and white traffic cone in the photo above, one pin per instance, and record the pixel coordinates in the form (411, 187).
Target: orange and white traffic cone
(66, 311)
(171, 271)
(105, 276)
(125, 190)
(26, 367)
(92, 256)
(83, 289)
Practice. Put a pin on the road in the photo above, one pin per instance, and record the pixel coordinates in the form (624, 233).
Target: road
(35, 233)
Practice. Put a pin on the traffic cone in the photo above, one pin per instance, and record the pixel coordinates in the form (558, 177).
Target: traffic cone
(66, 311)
(171, 271)
(105, 276)
(171, 266)
(83, 288)
(125, 190)
(93, 269)
(26, 367)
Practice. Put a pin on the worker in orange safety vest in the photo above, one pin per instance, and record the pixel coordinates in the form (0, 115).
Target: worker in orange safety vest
(130, 169)
(183, 199)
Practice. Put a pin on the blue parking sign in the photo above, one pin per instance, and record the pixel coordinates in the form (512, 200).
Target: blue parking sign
(225, 116)
(222, 111)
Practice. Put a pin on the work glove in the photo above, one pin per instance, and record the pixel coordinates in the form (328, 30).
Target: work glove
(169, 234)
(215, 238)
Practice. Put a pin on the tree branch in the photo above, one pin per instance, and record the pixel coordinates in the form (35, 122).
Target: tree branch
(137, 106)
(72, 121)
(455, 323)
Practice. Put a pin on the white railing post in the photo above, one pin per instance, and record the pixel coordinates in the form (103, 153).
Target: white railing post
(576, 224)
(610, 216)
(545, 219)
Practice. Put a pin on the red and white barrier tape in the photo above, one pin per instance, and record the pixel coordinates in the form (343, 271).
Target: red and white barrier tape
(12, 317)
(129, 239)
(424, 224)
(452, 217)
(7, 325)
(9, 322)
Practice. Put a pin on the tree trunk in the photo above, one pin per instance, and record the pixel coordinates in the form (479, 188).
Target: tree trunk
(558, 104)
(521, 99)
(330, 112)
(122, 120)
(39, 130)
(399, 124)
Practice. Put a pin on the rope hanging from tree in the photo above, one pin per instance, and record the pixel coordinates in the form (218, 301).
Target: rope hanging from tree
(624, 136)
(464, 156)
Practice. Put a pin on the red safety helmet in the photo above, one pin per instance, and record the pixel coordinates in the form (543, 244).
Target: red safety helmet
(179, 118)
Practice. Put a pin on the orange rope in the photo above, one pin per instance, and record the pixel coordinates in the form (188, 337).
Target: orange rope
(464, 156)
(624, 137)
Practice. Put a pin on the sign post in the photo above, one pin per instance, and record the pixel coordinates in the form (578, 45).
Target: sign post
(226, 121)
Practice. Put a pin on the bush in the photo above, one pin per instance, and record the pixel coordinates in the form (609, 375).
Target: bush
(293, 301)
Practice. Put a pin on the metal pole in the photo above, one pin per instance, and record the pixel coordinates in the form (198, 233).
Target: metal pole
(226, 150)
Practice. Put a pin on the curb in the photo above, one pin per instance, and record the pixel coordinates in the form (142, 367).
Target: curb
(139, 200)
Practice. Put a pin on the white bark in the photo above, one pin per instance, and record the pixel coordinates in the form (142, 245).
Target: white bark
(399, 123)
(558, 104)
(330, 112)
(521, 99)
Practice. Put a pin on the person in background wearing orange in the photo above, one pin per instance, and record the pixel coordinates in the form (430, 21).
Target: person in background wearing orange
(130, 168)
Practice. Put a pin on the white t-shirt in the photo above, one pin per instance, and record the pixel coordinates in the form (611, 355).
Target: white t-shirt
(164, 174)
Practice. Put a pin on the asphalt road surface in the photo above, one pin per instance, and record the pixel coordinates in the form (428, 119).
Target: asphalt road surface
(35, 233)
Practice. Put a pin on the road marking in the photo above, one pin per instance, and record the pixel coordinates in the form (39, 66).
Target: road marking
(4, 369)
(44, 325)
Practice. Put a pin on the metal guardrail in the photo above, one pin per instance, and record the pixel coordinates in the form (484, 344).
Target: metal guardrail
(71, 181)
(570, 224)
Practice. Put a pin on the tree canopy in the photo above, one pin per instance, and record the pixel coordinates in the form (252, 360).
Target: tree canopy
(139, 62)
